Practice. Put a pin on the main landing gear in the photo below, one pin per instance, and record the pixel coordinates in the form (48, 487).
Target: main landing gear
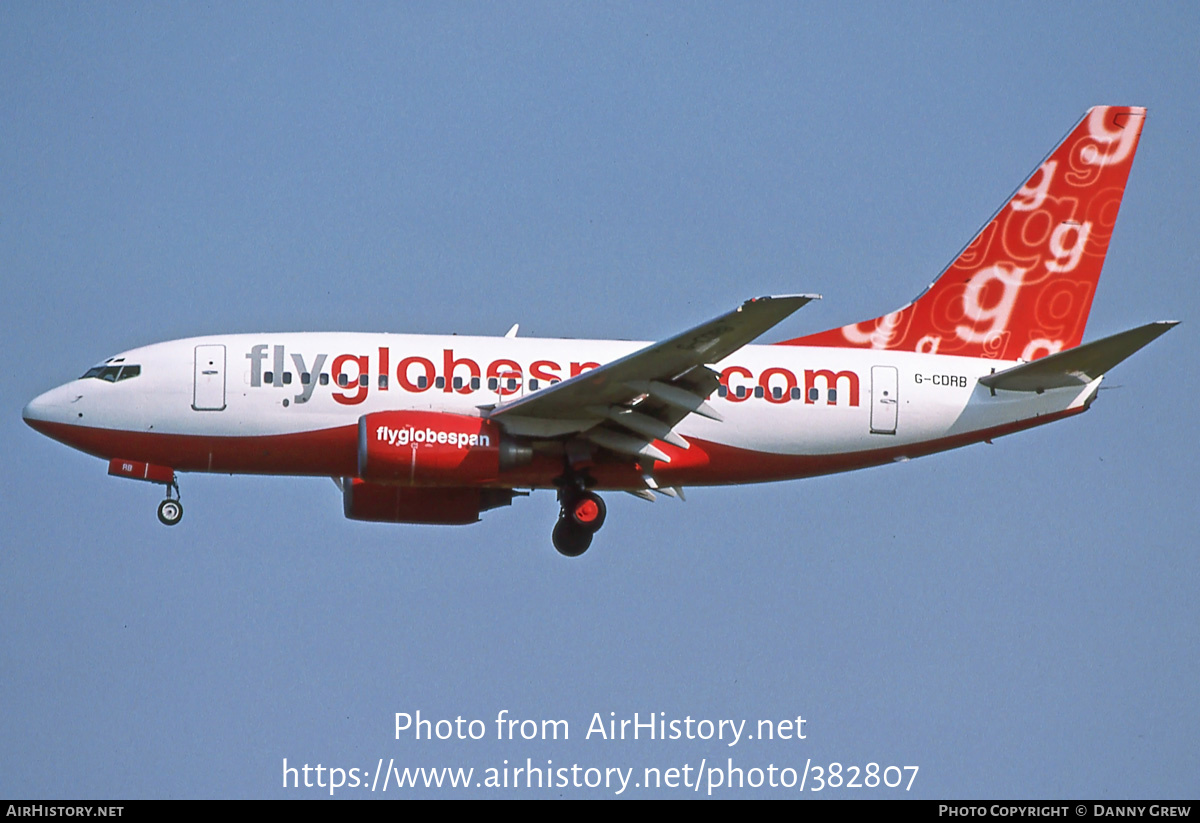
(170, 511)
(581, 515)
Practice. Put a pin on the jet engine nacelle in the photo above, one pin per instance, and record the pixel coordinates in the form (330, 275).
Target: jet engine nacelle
(424, 448)
(404, 504)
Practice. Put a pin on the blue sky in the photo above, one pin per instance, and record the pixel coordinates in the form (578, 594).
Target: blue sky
(1018, 620)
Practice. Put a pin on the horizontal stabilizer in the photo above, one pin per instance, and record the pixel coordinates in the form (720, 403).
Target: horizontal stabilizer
(1078, 366)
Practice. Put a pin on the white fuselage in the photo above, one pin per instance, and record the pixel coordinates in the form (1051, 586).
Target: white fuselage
(289, 403)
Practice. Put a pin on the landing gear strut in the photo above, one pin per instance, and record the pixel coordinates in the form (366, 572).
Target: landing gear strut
(170, 511)
(581, 515)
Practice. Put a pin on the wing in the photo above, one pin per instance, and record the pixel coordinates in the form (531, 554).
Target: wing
(630, 402)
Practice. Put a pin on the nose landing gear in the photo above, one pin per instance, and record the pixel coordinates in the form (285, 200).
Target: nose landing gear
(170, 511)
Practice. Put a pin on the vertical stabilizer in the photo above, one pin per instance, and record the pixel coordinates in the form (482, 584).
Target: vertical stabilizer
(1022, 289)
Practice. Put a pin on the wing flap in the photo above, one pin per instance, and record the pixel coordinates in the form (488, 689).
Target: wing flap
(643, 424)
(678, 397)
(626, 444)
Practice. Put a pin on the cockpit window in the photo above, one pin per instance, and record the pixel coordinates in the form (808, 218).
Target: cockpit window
(112, 373)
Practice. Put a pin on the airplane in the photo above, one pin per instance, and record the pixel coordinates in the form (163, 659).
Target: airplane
(440, 429)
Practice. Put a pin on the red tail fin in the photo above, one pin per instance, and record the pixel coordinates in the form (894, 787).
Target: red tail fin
(1024, 286)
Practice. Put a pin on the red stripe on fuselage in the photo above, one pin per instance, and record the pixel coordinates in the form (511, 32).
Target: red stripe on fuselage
(720, 464)
(329, 452)
(334, 453)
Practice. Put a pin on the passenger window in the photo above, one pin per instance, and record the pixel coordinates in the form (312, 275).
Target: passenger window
(343, 380)
(439, 382)
(364, 380)
(758, 391)
(305, 378)
(493, 384)
(458, 382)
(269, 377)
(777, 393)
(383, 381)
(324, 380)
(833, 395)
(814, 394)
(474, 384)
(287, 378)
(740, 392)
(722, 390)
(533, 384)
(422, 382)
(796, 393)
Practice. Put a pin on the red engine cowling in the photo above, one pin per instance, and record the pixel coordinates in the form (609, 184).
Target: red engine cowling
(438, 506)
(423, 448)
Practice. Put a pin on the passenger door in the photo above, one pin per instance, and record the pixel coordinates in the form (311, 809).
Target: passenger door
(209, 391)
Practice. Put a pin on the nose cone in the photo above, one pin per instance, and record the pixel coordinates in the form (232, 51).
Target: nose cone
(43, 412)
(37, 410)
(59, 414)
